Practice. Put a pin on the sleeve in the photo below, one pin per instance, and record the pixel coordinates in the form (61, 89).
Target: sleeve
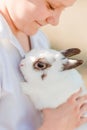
(0, 76)
(39, 40)
(1, 69)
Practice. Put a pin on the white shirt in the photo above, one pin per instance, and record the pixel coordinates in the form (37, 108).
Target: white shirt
(11, 53)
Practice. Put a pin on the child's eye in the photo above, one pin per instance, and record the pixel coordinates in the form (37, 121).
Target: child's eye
(50, 6)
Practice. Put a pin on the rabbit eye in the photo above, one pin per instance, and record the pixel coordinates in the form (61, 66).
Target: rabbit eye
(40, 65)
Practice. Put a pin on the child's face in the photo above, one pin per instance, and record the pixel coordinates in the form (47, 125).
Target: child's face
(29, 15)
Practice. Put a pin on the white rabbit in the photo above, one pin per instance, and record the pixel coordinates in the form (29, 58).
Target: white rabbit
(50, 78)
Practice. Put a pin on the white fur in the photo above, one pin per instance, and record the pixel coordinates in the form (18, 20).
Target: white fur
(56, 86)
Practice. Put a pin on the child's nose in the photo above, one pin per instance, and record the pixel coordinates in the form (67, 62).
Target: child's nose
(54, 17)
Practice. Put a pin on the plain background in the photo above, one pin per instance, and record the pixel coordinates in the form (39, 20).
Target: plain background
(71, 32)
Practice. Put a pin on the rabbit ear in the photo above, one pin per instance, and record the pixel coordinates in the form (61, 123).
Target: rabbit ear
(70, 52)
(72, 64)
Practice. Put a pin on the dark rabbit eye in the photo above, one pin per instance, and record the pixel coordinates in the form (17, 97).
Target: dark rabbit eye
(40, 65)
